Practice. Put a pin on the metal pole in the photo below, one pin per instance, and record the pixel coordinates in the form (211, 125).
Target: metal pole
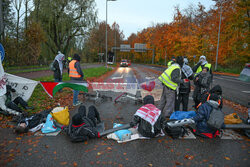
(218, 39)
(1, 18)
(166, 57)
(106, 42)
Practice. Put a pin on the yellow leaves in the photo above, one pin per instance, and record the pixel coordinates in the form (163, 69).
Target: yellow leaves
(99, 153)
(18, 138)
(227, 158)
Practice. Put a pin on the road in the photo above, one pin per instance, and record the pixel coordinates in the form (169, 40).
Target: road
(233, 89)
(29, 151)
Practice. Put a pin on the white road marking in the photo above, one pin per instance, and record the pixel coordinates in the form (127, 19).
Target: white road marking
(117, 77)
(247, 91)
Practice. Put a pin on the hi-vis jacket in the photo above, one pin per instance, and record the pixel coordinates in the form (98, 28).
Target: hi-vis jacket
(165, 77)
(73, 71)
(200, 68)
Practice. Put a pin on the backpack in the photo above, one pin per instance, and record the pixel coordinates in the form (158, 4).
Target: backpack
(51, 66)
(174, 132)
(216, 119)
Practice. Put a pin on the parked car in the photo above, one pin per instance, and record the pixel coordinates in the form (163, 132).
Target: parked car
(124, 63)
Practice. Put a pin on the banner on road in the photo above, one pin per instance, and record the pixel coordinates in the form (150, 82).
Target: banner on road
(24, 87)
(2, 80)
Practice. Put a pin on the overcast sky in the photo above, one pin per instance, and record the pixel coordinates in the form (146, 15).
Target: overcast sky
(135, 15)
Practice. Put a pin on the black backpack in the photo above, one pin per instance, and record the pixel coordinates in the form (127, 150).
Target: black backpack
(216, 119)
(174, 132)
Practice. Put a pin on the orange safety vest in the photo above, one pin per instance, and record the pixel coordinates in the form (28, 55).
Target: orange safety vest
(72, 70)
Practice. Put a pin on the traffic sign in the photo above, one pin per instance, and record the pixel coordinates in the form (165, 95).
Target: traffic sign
(2, 53)
(124, 48)
(140, 47)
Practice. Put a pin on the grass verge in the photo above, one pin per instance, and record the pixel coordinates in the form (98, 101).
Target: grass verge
(41, 101)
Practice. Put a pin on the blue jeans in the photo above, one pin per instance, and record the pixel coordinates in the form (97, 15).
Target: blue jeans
(75, 96)
(58, 80)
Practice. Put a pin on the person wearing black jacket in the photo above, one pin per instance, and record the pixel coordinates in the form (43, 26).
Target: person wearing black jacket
(185, 87)
(202, 83)
(58, 67)
(83, 127)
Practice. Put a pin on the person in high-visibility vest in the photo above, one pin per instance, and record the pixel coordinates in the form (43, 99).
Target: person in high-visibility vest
(172, 61)
(170, 78)
(202, 63)
(75, 74)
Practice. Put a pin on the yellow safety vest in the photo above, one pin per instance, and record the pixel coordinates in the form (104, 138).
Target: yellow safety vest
(165, 77)
(72, 70)
(199, 69)
(170, 62)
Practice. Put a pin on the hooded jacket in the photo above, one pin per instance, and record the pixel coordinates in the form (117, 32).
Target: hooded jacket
(202, 117)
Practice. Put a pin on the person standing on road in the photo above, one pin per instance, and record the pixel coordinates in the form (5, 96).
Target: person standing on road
(172, 61)
(75, 74)
(202, 63)
(202, 82)
(170, 79)
(58, 67)
(184, 90)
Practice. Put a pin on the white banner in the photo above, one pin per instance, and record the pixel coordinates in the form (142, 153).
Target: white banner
(2, 80)
(24, 87)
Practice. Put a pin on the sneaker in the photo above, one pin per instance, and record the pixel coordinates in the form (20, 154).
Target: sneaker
(77, 103)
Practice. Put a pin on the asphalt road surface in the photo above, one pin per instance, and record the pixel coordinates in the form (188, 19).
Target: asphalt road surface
(30, 151)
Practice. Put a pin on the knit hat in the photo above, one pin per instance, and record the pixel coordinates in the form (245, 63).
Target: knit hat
(148, 100)
(77, 119)
(214, 97)
(179, 60)
(76, 57)
(216, 89)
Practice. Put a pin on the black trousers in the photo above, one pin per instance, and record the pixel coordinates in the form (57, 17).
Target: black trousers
(93, 114)
(183, 99)
(14, 104)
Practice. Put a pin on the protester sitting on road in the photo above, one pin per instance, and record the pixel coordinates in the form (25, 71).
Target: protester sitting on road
(217, 90)
(83, 126)
(58, 66)
(202, 82)
(76, 75)
(184, 89)
(10, 101)
(148, 118)
(202, 129)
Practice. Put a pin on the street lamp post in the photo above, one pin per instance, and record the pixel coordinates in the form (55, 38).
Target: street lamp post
(106, 36)
(218, 38)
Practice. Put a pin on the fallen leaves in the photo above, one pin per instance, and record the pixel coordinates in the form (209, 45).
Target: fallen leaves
(227, 158)
(63, 163)
(74, 164)
(189, 157)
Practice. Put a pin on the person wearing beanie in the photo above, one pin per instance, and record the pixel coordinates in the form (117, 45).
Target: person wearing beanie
(76, 75)
(172, 61)
(171, 79)
(148, 126)
(202, 116)
(202, 63)
(83, 127)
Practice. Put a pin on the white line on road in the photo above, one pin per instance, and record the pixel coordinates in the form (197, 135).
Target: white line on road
(117, 77)
(247, 91)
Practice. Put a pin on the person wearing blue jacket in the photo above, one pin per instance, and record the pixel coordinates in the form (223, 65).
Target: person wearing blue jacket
(202, 116)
